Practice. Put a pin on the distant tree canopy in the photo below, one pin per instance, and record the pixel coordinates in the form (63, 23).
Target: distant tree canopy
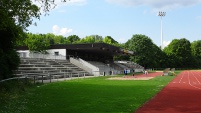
(72, 39)
(145, 51)
(38, 43)
(109, 40)
(196, 53)
(179, 52)
(45, 40)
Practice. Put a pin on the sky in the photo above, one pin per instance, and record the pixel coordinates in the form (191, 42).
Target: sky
(121, 19)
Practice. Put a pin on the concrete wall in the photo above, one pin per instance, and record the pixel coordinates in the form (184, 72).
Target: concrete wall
(60, 51)
(23, 53)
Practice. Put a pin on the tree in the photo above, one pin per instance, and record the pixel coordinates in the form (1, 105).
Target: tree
(145, 50)
(8, 57)
(15, 17)
(109, 40)
(37, 42)
(160, 59)
(50, 37)
(59, 39)
(20, 11)
(72, 39)
(196, 53)
(97, 38)
(179, 53)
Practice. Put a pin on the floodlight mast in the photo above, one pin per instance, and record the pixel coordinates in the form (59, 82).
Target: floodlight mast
(161, 14)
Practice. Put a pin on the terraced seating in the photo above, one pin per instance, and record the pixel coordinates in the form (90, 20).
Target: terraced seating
(46, 69)
(72, 67)
(101, 66)
(129, 65)
(108, 69)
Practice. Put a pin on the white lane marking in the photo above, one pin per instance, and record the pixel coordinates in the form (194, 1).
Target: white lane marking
(190, 82)
(195, 76)
(181, 78)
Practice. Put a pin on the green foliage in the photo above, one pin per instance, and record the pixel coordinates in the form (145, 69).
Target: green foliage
(16, 16)
(91, 39)
(145, 51)
(50, 37)
(21, 11)
(179, 52)
(109, 40)
(98, 38)
(36, 42)
(73, 39)
(196, 53)
(59, 39)
(9, 59)
(160, 58)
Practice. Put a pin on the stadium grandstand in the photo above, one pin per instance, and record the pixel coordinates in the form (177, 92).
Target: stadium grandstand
(74, 60)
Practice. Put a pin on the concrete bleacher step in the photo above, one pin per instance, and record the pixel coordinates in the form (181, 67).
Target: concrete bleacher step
(43, 68)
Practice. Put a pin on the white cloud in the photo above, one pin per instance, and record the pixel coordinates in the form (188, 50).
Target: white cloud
(157, 4)
(166, 43)
(61, 31)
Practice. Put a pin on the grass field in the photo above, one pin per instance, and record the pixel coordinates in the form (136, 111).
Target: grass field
(89, 95)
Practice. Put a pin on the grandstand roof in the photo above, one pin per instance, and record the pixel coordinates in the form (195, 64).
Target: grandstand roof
(91, 48)
(94, 48)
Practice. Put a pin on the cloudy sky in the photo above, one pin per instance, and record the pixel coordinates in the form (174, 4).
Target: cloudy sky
(121, 19)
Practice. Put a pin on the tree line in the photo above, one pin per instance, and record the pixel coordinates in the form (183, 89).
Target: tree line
(17, 15)
(180, 53)
(41, 42)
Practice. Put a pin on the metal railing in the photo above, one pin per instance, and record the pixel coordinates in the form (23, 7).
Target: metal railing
(48, 78)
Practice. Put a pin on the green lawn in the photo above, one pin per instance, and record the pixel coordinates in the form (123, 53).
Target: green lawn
(89, 95)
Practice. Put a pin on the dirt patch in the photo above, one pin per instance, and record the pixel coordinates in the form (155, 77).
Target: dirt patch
(130, 78)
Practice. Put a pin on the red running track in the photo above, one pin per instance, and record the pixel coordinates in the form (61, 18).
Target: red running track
(181, 95)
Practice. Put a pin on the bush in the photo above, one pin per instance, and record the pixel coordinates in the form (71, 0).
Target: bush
(9, 61)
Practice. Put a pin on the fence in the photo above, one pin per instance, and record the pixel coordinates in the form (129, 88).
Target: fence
(47, 78)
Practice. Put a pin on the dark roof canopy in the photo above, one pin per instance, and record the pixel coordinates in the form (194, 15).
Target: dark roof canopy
(91, 48)
(94, 48)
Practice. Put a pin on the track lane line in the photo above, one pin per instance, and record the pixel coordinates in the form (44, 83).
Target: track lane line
(189, 82)
(181, 78)
(196, 78)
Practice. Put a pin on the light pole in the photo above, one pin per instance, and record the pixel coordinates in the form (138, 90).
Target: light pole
(161, 14)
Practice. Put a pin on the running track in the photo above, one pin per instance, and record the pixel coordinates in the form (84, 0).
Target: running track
(181, 95)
